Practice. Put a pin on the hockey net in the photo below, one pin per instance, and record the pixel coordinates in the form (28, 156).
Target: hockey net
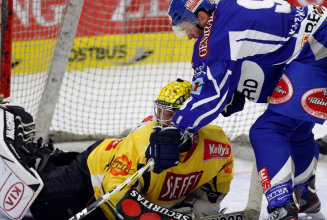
(123, 53)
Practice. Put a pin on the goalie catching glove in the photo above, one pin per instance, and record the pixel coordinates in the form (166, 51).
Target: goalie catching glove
(164, 148)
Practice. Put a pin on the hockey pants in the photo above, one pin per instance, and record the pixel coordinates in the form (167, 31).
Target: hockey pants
(67, 191)
(284, 148)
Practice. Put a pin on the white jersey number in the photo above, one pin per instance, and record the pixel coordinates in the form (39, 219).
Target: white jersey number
(281, 5)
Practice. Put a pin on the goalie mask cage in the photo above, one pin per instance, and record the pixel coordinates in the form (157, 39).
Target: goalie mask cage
(92, 69)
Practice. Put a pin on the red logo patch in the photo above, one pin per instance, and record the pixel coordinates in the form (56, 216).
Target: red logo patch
(204, 43)
(178, 185)
(196, 86)
(13, 196)
(264, 179)
(147, 119)
(215, 150)
(113, 144)
(283, 91)
(192, 5)
(121, 166)
(314, 102)
(228, 168)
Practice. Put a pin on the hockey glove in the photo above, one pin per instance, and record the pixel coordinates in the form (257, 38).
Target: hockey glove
(164, 148)
(20, 130)
(20, 133)
(235, 104)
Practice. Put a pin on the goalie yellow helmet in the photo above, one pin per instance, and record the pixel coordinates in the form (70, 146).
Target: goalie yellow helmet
(174, 94)
(170, 99)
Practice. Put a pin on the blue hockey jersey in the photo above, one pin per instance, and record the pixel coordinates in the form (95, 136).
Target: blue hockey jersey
(245, 46)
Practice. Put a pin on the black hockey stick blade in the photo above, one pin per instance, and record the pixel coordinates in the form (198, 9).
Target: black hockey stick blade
(253, 208)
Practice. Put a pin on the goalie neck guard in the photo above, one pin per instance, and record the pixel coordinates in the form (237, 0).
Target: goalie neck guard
(170, 99)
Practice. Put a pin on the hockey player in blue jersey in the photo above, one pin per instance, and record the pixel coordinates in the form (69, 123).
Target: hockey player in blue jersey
(270, 52)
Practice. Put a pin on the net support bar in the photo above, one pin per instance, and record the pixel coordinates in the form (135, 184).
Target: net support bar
(57, 69)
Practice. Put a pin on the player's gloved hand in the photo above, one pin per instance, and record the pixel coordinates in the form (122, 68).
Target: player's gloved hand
(20, 128)
(164, 148)
(235, 104)
(20, 134)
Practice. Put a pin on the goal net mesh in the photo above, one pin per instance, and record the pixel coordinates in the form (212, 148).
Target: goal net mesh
(124, 52)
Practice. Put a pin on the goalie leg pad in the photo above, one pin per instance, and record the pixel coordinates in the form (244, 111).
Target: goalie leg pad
(134, 206)
(19, 184)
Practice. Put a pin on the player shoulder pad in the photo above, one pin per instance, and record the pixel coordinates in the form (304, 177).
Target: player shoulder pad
(214, 132)
(148, 120)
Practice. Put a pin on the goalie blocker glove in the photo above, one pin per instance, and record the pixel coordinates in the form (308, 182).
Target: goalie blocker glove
(164, 148)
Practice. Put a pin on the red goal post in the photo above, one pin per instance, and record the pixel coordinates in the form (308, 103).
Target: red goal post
(5, 45)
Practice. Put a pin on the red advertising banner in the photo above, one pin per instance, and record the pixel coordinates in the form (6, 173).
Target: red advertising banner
(41, 19)
(309, 2)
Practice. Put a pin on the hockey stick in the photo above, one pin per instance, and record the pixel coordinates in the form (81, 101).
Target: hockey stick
(253, 207)
(147, 167)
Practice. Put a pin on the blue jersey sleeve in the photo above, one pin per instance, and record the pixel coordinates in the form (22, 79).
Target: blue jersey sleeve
(246, 45)
(211, 91)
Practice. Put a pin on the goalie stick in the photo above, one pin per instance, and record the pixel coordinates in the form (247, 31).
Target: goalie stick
(147, 167)
(253, 207)
(251, 212)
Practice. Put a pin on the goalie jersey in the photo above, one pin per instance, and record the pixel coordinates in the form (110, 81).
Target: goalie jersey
(208, 161)
(245, 46)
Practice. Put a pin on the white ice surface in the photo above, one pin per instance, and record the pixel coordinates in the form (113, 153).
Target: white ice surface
(236, 200)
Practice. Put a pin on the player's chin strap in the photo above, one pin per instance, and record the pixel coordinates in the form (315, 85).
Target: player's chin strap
(147, 167)
(198, 26)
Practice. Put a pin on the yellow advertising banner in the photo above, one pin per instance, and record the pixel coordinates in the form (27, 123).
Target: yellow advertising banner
(103, 52)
